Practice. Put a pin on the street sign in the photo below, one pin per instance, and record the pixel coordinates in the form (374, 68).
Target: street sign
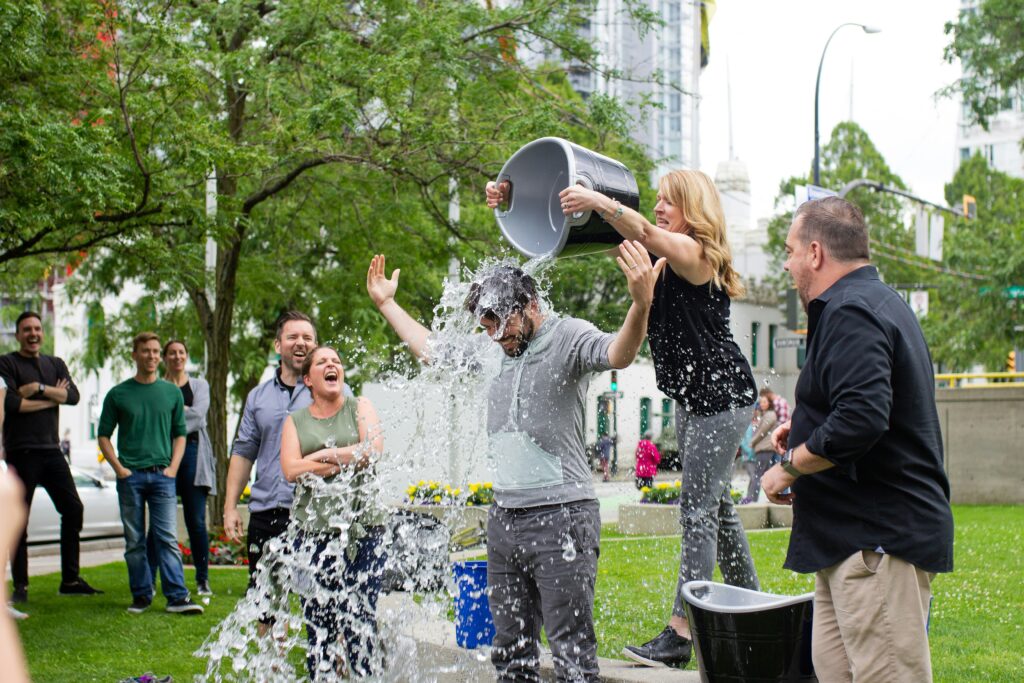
(790, 342)
(805, 193)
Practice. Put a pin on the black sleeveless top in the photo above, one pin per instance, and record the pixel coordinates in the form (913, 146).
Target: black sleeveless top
(696, 360)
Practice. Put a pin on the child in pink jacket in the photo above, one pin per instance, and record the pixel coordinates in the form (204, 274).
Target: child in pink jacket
(647, 459)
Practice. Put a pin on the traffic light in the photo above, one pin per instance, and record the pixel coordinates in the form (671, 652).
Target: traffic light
(970, 207)
(615, 381)
(1011, 362)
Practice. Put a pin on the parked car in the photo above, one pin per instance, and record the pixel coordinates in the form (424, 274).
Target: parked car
(102, 516)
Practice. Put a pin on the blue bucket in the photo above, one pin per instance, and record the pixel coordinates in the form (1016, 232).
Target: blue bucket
(473, 623)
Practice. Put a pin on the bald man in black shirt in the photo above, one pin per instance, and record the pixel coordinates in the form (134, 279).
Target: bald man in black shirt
(863, 456)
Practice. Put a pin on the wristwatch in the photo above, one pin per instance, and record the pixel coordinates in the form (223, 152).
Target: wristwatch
(42, 388)
(787, 464)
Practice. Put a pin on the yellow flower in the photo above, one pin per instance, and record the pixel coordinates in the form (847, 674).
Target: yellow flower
(448, 488)
(645, 489)
(662, 485)
(487, 484)
(474, 487)
(456, 492)
(422, 483)
(469, 502)
(437, 499)
(411, 490)
(678, 484)
(246, 491)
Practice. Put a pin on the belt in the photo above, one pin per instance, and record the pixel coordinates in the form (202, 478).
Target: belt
(154, 468)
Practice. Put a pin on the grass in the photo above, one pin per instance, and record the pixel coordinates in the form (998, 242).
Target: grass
(976, 630)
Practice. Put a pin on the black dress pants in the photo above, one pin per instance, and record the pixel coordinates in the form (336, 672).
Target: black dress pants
(47, 467)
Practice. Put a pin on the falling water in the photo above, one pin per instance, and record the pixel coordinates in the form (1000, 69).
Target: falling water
(440, 413)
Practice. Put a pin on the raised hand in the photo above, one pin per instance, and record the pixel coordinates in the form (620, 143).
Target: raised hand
(378, 286)
(635, 263)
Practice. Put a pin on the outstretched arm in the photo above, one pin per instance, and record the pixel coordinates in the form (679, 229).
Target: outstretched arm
(382, 293)
(641, 277)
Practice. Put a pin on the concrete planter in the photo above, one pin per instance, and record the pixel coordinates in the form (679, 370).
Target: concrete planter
(467, 524)
(636, 519)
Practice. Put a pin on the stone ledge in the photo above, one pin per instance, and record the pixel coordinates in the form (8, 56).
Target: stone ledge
(437, 651)
(642, 519)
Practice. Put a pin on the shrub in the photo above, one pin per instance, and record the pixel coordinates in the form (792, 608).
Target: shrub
(663, 492)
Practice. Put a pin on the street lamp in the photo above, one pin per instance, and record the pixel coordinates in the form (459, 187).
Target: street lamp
(817, 87)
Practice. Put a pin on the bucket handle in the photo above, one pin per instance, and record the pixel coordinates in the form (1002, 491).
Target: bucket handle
(505, 206)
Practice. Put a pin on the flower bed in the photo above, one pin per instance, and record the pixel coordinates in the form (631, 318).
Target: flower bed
(223, 551)
(668, 492)
(431, 492)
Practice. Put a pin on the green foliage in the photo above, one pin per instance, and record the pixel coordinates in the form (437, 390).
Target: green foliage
(972, 321)
(851, 155)
(987, 42)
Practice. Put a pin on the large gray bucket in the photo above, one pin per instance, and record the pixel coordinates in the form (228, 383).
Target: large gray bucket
(745, 636)
(532, 219)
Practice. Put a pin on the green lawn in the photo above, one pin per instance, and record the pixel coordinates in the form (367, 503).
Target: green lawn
(977, 620)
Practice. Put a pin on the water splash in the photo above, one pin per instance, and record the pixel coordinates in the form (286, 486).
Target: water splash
(436, 412)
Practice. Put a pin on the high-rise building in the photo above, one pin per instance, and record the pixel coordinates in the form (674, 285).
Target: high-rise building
(1000, 144)
(662, 65)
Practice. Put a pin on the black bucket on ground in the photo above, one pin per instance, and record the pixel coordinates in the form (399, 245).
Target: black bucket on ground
(745, 636)
(532, 219)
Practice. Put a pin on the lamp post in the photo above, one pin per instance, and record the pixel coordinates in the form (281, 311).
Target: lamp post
(817, 88)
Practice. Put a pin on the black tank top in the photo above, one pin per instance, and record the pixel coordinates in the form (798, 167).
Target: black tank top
(696, 360)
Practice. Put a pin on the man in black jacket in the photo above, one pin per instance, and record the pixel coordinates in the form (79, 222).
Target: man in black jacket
(38, 384)
(863, 456)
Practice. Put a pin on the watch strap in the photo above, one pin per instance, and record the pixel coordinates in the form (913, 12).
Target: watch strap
(787, 465)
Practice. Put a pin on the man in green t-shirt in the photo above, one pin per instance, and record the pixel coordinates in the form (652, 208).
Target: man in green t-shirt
(149, 415)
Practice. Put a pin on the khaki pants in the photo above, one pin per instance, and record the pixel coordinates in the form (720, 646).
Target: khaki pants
(870, 615)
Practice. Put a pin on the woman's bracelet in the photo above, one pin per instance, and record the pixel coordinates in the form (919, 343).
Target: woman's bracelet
(619, 208)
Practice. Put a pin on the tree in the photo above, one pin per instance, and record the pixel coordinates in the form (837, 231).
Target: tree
(63, 188)
(333, 130)
(851, 155)
(988, 43)
(976, 320)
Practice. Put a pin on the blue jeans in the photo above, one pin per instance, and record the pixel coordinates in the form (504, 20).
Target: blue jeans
(347, 608)
(134, 494)
(193, 504)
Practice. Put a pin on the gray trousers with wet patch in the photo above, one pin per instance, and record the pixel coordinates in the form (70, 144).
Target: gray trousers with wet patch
(711, 528)
(541, 569)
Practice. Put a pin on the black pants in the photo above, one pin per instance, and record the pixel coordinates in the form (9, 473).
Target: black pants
(48, 468)
(263, 526)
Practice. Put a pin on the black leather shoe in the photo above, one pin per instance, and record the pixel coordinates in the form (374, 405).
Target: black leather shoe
(78, 587)
(668, 648)
(19, 596)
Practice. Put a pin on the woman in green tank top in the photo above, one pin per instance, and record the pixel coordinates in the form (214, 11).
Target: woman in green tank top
(328, 451)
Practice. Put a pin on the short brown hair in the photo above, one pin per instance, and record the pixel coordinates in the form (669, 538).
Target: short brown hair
(289, 316)
(836, 224)
(307, 362)
(143, 337)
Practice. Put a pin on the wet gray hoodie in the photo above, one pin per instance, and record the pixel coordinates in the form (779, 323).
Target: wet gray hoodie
(535, 415)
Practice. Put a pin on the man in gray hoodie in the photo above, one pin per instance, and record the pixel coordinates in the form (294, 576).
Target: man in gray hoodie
(544, 529)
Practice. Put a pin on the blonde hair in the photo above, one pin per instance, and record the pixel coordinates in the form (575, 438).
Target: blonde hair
(693, 193)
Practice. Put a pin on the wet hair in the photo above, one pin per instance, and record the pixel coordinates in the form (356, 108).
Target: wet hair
(163, 354)
(25, 316)
(648, 436)
(502, 291)
(836, 224)
(697, 198)
(307, 362)
(142, 338)
(289, 316)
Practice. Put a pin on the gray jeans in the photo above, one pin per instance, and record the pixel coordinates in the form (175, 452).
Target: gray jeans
(711, 528)
(541, 569)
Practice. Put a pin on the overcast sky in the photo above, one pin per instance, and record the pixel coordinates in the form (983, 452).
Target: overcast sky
(772, 48)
